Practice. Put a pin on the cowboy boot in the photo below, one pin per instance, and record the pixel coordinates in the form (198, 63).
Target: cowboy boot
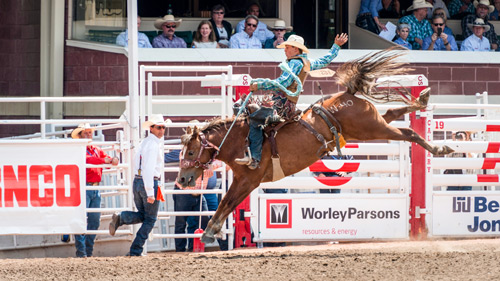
(253, 165)
(246, 160)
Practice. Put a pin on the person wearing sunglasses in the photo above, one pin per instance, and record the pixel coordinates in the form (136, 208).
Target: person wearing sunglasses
(439, 40)
(168, 39)
(247, 39)
(261, 30)
(148, 168)
(279, 29)
(442, 13)
(222, 28)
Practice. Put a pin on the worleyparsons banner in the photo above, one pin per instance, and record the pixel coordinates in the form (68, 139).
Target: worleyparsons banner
(333, 217)
(42, 187)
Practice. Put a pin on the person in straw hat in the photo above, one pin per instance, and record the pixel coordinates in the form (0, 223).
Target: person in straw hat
(420, 28)
(483, 9)
(148, 167)
(477, 42)
(284, 104)
(279, 29)
(168, 39)
(84, 244)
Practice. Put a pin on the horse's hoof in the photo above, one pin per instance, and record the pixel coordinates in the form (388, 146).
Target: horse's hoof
(205, 238)
(423, 99)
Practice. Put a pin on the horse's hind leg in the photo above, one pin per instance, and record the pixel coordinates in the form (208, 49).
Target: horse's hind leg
(407, 134)
(419, 104)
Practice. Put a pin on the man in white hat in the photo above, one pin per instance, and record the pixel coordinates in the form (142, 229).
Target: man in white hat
(279, 29)
(420, 28)
(84, 244)
(168, 39)
(477, 42)
(483, 9)
(261, 30)
(284, 104)
(148, 168)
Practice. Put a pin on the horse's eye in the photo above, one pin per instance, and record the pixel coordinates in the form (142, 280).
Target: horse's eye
(190, 153)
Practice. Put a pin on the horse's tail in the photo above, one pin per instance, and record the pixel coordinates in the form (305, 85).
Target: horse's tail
(360, 75)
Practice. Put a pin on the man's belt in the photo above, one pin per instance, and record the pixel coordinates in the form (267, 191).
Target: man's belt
(365, 14)
(93, 183)
(140, 177)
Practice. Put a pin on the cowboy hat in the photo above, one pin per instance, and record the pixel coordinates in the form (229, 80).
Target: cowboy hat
(167, 18)
(155, 119)
(479, 22)
(419, 4)
(295, 41)
(486, 3)
(75, 134)
(280, 24)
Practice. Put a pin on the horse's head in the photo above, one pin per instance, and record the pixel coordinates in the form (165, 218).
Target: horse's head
(196, 156)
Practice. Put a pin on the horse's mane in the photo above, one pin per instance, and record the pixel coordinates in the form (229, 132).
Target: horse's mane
(360, 75)
(215, 124)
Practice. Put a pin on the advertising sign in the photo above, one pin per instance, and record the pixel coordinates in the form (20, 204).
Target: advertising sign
(338, 217)
(466, 213)
(42, 187)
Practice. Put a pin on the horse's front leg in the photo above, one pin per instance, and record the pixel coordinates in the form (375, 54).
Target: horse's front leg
(238, 191)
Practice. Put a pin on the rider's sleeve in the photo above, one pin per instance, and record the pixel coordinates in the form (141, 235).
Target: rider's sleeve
(325, 60)
(285, 79)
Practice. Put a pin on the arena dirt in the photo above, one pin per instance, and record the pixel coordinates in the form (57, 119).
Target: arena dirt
(407, 260)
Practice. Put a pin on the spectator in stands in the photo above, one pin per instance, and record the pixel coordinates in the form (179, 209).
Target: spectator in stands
(460, 136)
(148, 168)
(168, 39)
(279, 29)
(403, 30)
(142, 39)
(419, 26)
(460, 8)
(247, 39)
(477, 42)
(205, 36)
(84, 244)
(483, 9)
(442, 13)
(439, 40)
(390, 9)
(223, 28)
(368, 17)
(261, 32)
(495, 14)
(437, 4)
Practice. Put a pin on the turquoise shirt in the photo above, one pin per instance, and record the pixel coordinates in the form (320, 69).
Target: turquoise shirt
(296, 66)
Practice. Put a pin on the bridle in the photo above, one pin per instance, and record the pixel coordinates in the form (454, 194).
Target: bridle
(205, 144)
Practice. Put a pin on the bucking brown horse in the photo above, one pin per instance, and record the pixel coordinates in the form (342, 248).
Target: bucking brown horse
(298, 148)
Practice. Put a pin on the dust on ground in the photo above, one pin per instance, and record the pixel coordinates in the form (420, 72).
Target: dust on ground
(406, 260)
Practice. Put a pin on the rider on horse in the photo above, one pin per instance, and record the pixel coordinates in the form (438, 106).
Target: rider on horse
(284, 104)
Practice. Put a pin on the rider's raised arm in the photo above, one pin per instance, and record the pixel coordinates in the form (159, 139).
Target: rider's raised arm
(325, 60)
(285, 78)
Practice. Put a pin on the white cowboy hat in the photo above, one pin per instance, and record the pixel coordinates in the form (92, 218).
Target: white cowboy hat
(486, 3)
(82, 127)
(419, 4)
(479, 22)
(280, 24)
(295, 41)
(155, 119)
(167, 18)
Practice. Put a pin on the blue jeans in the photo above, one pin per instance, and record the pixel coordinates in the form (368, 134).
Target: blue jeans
(187, 202)
(146, 214)
(256, 137)
(85, 243)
